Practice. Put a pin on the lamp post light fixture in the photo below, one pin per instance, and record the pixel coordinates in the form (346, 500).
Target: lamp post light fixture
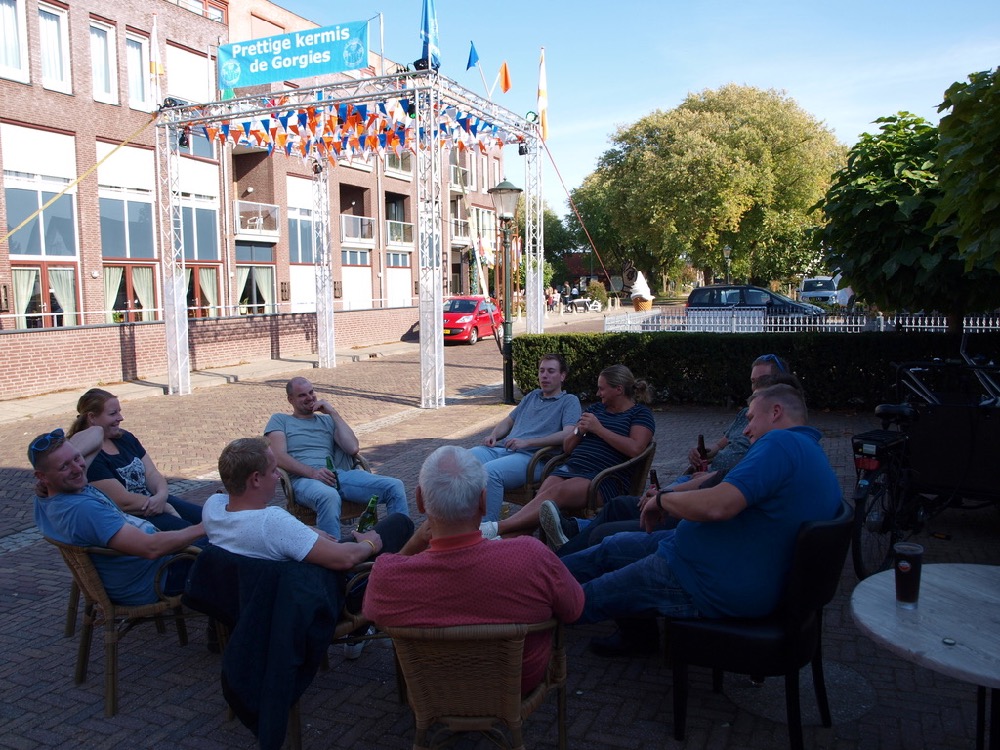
(505, 197)
(726, 253)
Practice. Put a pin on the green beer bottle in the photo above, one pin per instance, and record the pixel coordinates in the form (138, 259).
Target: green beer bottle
(329, 466)
(369, 517)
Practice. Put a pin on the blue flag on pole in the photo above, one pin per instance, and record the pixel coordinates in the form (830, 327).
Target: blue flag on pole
(473, 56)
(429, 35)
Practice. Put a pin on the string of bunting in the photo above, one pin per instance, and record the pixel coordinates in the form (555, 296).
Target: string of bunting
(341, 131)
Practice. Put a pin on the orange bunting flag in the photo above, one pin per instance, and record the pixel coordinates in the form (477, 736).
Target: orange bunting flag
(504, 78)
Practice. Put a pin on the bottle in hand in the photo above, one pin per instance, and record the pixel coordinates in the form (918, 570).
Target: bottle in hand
(329, 466)
(653, 480)
(369, 517)
(703, 452)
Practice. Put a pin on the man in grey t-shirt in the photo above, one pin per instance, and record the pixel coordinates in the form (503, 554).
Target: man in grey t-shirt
(543, 417)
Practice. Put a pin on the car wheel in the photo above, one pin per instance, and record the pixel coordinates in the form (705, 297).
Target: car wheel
(473, 336)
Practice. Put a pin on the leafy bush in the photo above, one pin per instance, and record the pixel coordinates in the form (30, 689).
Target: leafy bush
(596, 290)
(837, 370)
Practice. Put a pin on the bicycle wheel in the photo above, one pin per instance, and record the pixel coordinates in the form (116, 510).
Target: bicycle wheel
(875, 523)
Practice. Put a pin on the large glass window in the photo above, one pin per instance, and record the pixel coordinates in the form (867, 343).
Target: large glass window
(301, 239)
(202, 290)
(137, 64)
(45, 296)
(200, 227)
(52, 232)
(13, 41)
(53, 32)
(126, 227)
(103, 62)
(355, 258)
(129, 293)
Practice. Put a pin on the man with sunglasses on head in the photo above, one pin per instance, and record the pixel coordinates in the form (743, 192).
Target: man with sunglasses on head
(69, 510)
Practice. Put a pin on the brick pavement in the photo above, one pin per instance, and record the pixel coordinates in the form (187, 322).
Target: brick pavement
(169, 696)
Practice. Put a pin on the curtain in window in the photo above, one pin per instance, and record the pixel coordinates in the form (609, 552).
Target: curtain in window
(142, 285)
(10, 39)
(63, 283)
(25, 281)
(242, 274)
(136, 71)
(207, 278)
(264, 276)
(112, 282)
(100, 60)
(50, 33)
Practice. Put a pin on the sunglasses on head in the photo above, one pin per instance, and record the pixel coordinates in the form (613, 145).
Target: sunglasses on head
(43, 442)
(772, 358)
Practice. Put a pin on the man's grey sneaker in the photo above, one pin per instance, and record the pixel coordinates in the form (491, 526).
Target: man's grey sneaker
(353, 650)
(553, 524)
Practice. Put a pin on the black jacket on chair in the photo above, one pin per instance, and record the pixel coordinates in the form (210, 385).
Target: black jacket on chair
(281, 617)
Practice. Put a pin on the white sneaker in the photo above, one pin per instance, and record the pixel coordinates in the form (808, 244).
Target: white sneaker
(353, 650)
(489, 530)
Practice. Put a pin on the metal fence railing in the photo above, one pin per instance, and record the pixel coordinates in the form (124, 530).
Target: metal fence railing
(756, 320)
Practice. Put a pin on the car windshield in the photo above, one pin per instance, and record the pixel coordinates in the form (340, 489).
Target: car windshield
(460, 305)
(819, 285)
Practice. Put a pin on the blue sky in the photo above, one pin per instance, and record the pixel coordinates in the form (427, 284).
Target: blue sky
(608, 64)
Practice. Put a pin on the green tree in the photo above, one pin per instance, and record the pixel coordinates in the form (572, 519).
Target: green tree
(880, 234)
(737, 166)
(969, 208)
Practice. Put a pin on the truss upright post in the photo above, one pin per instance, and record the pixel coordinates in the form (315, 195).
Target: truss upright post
(325, 336)
(534, 231)
(430, 207)
(172, 264)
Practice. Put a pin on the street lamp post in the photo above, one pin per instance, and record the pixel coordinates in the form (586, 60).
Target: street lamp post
(726, 252)
(505, 197)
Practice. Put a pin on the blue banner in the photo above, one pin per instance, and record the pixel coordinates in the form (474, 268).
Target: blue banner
(301, 54)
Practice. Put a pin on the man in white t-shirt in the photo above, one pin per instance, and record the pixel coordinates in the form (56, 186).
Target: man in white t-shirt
(242, 522)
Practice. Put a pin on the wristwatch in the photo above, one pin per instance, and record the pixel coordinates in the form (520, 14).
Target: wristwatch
(658, 495)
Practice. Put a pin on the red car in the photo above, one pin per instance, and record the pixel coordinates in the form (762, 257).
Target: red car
(470, 318)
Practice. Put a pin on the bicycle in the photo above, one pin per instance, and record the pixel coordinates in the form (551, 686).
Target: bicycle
(935, 451)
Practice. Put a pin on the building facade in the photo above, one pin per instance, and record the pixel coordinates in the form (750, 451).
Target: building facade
(81, 262)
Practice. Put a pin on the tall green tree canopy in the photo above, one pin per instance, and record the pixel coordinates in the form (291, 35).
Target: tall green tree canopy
(969, 163)
(737, 166)
(880, 232)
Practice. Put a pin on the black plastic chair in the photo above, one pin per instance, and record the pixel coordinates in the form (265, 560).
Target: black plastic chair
(780, 644)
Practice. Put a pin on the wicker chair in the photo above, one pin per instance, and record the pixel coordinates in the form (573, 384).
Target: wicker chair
(117, 619)
(468, 678)
(522, 495)
(638, 468)
(348, 510)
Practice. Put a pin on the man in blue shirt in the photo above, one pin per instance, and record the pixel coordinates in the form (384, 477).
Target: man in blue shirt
(543, 417)
(730, 553)
(69, 510)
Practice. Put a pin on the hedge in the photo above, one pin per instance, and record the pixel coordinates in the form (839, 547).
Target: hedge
(837, 370)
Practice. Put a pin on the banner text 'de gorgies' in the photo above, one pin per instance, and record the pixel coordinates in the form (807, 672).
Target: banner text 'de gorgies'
(316, 52)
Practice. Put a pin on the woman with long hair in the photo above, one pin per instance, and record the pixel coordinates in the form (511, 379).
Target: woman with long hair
(619, 427)
(124, 471)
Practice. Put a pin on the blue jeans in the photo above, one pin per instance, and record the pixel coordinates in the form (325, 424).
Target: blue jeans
(190, 514)
(623, 576)
(356, 486)
(620, 514)
(504, 470)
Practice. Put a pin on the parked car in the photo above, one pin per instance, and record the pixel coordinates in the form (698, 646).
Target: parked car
(822, 289)
(721, 296)
(470, 318)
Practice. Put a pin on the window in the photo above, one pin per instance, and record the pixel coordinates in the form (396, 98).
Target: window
(13, 41)
(202, 290)
(137, 64)
(44, 296)
(193, 141)
(354, 258)
(401, 163)
(397, 260)
(129, 293)
(103, 62)
(52, 232)
(126, 225)
(255, 283)
(300, 235)
(200, 228)
(53, 32)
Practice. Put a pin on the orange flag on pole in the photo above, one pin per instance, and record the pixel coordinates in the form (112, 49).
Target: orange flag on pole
(543, 98)
(504, 78)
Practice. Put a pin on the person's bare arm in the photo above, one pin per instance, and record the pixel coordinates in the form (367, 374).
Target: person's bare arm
(631, 445)
(499, 432)
(89, 442)
(343, 435)
(279, 446)
(344, 555)
(132, 541)
(130, 502)
(719, 503)
(556, 438)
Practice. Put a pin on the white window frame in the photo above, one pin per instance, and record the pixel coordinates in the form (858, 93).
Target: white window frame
(19, 71)
(146, 103)
(110, 96)
(127, 196)
(64, 82)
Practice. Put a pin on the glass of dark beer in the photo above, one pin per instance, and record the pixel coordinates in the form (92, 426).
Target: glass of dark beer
(909, 559)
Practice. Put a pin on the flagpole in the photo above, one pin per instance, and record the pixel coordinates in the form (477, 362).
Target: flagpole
(487, 89)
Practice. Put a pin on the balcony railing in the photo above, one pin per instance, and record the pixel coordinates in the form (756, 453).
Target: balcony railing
(399, 232)
(357, 229)
(257, 220)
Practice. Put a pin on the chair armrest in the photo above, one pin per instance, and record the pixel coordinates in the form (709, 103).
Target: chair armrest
(188, 553)
(552, 463)
(592, 490)
(360, 462)
(545, 452)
